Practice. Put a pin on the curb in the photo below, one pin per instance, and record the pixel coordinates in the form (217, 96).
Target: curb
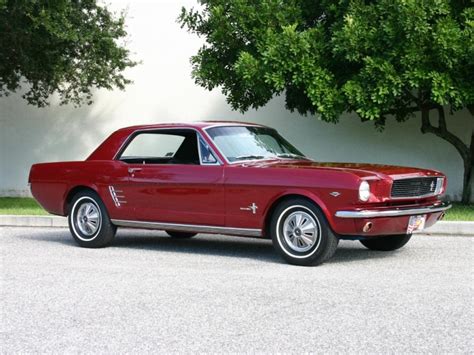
(32, 221)
(440, 228)
(451, 228)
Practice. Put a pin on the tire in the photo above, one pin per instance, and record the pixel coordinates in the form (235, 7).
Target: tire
(302, 246)
(180, 235)
(89, 221)
(386, 243)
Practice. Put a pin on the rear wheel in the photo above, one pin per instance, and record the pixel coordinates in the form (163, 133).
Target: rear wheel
(301, 234)
(386, 243)
(89, 221)
(180, 235)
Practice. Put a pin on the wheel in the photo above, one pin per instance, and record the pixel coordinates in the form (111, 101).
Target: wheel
(89, 221)
(301, 234)
(386, 243)
(180, 235)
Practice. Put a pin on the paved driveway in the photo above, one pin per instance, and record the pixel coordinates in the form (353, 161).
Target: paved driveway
(149, 293)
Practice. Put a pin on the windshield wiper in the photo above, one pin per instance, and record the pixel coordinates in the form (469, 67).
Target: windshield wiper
(291, 155)
(245, 157)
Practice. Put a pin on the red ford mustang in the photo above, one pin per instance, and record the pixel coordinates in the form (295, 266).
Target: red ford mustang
(238, 179)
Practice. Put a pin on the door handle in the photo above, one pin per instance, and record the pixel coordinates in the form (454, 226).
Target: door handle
(133, 170)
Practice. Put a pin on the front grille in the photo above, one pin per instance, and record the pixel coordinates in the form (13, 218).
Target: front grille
(416, 187)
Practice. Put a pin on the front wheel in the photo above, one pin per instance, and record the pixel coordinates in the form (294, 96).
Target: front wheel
(89, 221)
(386, 243)
(301, 234)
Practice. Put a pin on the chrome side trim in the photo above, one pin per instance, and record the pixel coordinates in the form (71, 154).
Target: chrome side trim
(394, 212)
(188, 227)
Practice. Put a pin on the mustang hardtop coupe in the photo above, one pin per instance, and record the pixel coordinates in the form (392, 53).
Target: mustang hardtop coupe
(238, 179)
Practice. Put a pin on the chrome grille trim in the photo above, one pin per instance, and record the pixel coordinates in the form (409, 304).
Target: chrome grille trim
(417, 187)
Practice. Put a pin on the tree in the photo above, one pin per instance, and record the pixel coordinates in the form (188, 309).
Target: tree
(67, 47)
(376, 58)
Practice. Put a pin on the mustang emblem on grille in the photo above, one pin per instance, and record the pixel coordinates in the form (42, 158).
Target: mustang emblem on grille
(432, 186)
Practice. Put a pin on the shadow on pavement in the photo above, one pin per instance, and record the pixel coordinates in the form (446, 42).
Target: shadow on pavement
(227, 246)
(239, 247)
(349, 253)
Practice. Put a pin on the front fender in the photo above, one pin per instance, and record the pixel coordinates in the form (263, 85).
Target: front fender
(299, 192)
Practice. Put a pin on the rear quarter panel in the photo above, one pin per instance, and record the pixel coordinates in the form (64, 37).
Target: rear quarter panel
(51, 183)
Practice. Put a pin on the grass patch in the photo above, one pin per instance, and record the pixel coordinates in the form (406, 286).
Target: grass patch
(460, 212)
(28, 206)
(20, 206)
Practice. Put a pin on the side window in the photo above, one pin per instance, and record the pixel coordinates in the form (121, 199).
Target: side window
(207, 157)
(153, 145)
(164, 147)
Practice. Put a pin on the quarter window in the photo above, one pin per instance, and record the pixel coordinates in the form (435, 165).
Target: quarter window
(207, 157)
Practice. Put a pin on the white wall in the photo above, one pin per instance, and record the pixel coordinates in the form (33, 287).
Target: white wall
(163, 91)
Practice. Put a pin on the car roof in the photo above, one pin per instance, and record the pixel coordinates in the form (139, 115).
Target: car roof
(196, 124)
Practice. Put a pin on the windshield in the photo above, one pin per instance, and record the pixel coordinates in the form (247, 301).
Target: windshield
(240, 143)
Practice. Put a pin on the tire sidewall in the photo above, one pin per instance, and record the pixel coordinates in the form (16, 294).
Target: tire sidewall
(73, 220)
(313, 255)
(106, 230)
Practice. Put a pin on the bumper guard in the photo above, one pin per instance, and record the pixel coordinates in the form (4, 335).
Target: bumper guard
(395, 212)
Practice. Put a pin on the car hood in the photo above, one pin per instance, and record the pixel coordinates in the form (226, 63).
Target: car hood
(359, 169)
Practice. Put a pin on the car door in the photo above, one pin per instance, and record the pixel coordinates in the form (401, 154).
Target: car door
(173, 178)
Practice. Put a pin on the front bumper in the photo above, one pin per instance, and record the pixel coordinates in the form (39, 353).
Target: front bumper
(394, 212)
(388, 220)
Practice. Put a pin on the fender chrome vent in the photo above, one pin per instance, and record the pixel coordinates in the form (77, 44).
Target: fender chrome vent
(117, 196)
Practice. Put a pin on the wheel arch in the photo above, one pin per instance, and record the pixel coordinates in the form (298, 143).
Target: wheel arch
(73, 191)
(311, 197)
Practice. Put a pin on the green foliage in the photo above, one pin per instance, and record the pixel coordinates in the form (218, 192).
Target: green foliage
(370, 57)
(61, 46)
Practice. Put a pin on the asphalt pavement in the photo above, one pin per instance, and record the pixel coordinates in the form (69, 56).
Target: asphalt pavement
(149, 293)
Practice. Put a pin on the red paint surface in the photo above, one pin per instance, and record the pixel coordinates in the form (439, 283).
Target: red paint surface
(214, 195)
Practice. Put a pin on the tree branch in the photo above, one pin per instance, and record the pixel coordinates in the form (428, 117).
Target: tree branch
(471, 109)
(442, 132)
(441, 120)
(414, 98)
(407, 110)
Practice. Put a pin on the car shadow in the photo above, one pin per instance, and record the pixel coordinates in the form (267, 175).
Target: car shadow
(351, 252)
(221, 246)
(238, 247)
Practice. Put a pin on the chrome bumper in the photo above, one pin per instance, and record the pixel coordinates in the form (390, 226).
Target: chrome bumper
(395, 212)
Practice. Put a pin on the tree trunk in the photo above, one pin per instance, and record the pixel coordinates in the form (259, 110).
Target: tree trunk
(468, 181)
(466, 152)
(468, 174)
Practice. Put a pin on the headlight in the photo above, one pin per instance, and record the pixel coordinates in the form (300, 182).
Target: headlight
(364, 191)
(439, 186)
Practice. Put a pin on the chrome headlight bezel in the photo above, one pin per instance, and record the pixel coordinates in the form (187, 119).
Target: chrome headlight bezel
(364, 191)
(439, 186)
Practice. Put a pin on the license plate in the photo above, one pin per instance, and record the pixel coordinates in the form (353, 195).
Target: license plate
(416, 223)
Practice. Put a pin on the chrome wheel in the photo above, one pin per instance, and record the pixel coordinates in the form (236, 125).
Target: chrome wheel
(301, 231)
(88, 219)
